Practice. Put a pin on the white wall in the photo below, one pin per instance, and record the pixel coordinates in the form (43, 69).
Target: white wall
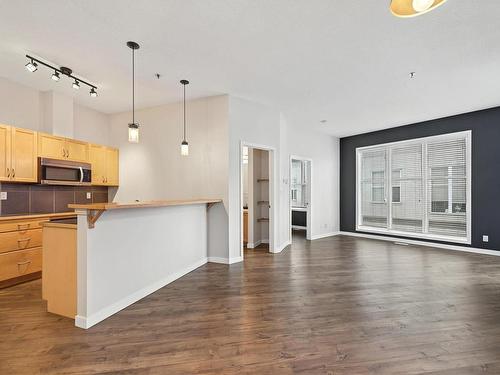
(324, 152)
(20, 105)
(50, 112)
(155, 169)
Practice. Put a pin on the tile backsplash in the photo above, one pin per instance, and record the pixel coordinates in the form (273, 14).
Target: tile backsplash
(25, 199)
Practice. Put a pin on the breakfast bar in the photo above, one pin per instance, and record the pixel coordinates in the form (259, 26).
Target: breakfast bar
(126, 251)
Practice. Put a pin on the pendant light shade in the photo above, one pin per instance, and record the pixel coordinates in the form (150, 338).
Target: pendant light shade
(184, 144)
(133, 127)
(413, 8)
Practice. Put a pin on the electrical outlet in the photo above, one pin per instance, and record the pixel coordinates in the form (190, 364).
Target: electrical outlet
(3, 196)
(89, 195)
(486, 238)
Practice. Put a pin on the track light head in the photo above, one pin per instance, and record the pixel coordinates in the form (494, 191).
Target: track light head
(56, 77)
(31, 66)
(93, 93)
(76, 85)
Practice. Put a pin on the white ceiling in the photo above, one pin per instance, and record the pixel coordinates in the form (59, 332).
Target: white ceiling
(347, 61)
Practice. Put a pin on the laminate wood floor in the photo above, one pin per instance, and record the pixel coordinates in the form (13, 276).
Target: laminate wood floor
(338, 305)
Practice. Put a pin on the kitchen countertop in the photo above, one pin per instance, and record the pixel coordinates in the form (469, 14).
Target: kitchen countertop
(36, 216)
(141, 204)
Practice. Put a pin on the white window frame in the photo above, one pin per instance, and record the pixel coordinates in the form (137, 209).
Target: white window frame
(398, 185)
(467, 135)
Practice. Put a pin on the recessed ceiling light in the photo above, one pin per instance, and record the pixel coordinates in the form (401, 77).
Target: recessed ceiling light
(323, 121)
(413, 74)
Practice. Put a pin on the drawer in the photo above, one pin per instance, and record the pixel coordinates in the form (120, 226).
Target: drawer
(21, 225)
(19, 263)
(11, 241)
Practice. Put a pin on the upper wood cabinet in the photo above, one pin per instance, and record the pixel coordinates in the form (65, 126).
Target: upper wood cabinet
(104, 162)
(24, 160)
(5, 139)
(50, 146)
(18, 154)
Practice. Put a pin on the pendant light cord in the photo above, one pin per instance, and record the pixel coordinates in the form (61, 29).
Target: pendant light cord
(133, 86)
(184, 113)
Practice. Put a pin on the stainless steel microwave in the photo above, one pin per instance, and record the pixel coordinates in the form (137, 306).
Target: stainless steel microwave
(64, 172)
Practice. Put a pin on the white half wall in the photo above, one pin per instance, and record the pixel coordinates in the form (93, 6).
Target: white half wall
(134, 252)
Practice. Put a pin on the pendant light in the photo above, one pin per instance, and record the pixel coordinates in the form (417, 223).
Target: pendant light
(184, 144)
(133, 127)
(412, 8)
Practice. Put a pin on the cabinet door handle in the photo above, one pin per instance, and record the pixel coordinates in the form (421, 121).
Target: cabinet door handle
(8, 172)
(67, 153)
(13, 173)
(23, 226)
(23, 263)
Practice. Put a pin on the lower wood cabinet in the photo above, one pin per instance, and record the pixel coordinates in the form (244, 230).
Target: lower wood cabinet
(21, 248)
(20, 263)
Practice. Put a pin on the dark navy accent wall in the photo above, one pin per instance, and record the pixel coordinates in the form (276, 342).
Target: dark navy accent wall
(485, 126)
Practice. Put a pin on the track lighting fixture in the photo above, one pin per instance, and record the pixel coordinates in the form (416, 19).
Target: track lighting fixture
(133, 127)
(55, 76)
(32, 66)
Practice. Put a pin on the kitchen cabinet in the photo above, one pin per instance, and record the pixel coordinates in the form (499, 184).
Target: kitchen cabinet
(24, 161)
(50, 146)
(5, 153)
(111, 166)
(18, 158)
(104, 162)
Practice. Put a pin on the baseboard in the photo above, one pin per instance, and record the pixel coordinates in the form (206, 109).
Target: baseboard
(324, 235)
(438, 245)
(283, 246)
(253, 245)
(221, 260)
(89, 321)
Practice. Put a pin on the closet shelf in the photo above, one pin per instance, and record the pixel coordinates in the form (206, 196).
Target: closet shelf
(262, 180)
(263, 219)
(263, 202)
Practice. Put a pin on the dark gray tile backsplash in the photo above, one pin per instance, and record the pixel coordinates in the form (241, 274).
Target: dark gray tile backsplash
(25, 199)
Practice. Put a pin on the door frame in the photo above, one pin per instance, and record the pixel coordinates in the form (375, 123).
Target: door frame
(309, 196)
(272, 195)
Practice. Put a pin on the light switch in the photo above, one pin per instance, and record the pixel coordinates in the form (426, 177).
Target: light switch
(89, 195)
(3, 196)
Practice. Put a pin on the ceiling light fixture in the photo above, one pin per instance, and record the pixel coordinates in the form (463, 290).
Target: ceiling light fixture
(32, 66)
(412, 8)
(55, 76)
(133, 127)
(184, 144)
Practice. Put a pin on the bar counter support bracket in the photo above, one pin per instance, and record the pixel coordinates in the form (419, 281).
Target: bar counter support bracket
(210, 205)
(92, 217)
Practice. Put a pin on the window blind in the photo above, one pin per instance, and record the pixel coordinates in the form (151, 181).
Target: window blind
(419, 188)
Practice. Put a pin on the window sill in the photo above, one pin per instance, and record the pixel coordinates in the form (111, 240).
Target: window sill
(426, 236)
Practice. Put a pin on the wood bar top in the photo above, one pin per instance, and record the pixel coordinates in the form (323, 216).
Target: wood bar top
(141, 204)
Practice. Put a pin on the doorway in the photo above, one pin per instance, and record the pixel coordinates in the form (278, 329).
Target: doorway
(256, 199)
(300, 198)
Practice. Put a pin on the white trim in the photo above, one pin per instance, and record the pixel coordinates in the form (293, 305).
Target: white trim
(299, 227)
(324, 235)
(464, 249)
(467, 134)
(273, 198)
(99, 316)
(225, 260)
(283, 246)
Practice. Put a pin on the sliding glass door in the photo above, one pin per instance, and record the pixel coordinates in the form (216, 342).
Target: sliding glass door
(416, 188)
